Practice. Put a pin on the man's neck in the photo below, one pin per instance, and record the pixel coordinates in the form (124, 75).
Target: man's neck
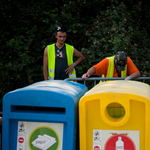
(59, 45)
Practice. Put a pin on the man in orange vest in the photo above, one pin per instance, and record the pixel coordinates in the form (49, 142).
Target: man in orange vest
(119, 65)
(58, 58)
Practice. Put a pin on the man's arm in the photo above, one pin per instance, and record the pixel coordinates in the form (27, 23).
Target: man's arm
(79, 55)
(133, 76)
(78, 61)
(133, 72)
(90, 72)
(45, 64)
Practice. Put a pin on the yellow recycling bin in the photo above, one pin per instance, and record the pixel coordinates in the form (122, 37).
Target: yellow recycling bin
(115, 115)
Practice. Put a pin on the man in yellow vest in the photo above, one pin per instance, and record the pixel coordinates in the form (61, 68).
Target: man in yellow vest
(119, 65)
(58, 58)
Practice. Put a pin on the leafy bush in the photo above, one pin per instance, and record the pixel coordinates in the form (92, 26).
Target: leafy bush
(96, 28)
(118, 28)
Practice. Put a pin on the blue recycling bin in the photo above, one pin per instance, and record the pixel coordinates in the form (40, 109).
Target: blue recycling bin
(0, 137)
(42, 116)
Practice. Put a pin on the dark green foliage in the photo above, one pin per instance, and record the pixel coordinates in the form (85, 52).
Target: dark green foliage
(96, 28)
(119, 28)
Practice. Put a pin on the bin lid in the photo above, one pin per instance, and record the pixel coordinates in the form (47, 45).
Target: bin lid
(53, 87)
(59, 86)
(121, 86)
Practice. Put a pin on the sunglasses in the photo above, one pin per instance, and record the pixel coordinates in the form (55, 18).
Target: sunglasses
(59, 53)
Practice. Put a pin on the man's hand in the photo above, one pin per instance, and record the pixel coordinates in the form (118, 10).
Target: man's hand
(85, 76)
(70, 69)
(89, 73)
(128, 78)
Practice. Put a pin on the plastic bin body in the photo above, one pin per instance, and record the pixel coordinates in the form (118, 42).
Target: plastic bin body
(43, 115)
(0, 137)
(115, 112)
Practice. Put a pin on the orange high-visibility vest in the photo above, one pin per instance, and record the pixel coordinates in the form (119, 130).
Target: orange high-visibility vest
(110, 70)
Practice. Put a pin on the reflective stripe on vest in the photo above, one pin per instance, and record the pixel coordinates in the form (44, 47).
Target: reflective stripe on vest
(110, 70)
(50, 78)
(72, 75)
(51, 60)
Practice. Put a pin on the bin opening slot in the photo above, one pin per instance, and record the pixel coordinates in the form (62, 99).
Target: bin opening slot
(115, 110)
(34, 109)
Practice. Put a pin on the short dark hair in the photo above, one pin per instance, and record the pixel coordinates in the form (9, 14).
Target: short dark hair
(61, 29)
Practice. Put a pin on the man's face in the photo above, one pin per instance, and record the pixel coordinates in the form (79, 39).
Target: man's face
(61, 37)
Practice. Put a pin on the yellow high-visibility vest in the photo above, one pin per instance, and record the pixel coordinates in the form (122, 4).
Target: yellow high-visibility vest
(110, 70)
(51, 60)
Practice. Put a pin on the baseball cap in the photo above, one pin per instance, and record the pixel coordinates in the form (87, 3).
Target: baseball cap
(121, 60)
(62, 29)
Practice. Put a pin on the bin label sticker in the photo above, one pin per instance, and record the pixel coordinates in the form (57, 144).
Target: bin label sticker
(97, 147)
(97, 136)
(115, 140)
(44, 142)
(39, 136)
(21, 143)
(21, 127)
